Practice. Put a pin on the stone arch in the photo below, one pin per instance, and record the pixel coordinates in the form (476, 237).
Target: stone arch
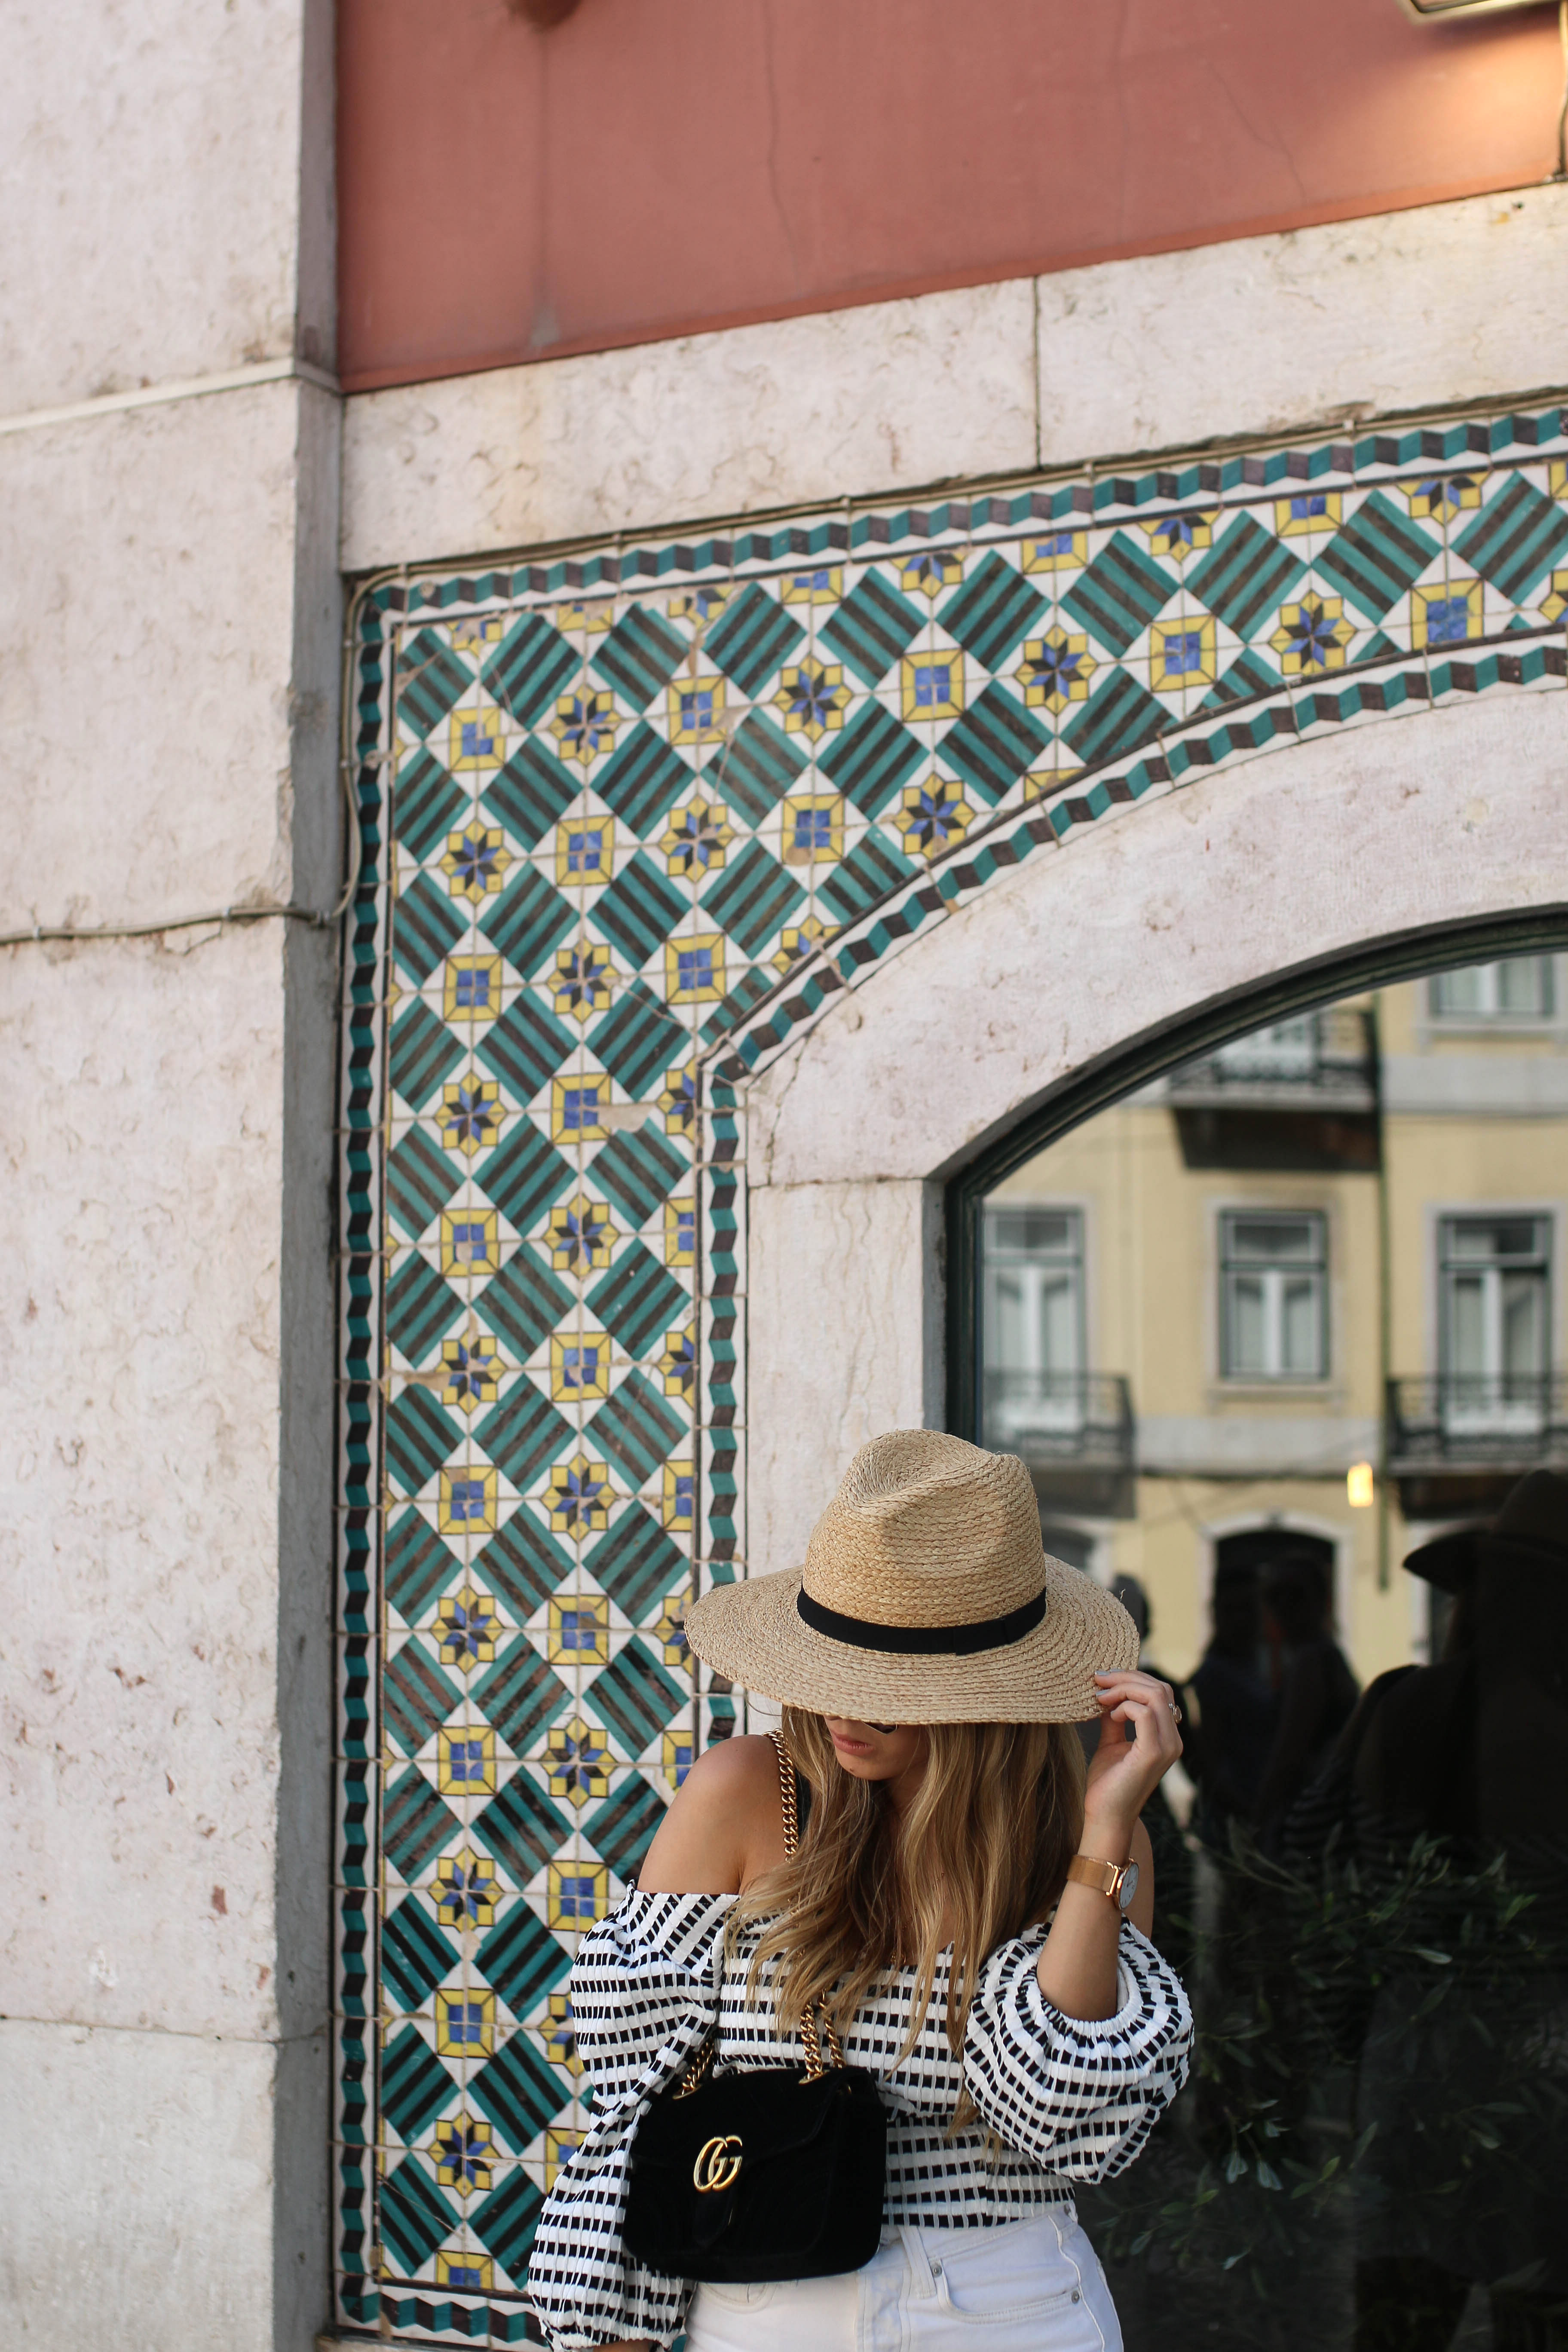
(1443, 818)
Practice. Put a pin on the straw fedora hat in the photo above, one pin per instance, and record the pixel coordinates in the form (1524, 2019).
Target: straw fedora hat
(927, 1597)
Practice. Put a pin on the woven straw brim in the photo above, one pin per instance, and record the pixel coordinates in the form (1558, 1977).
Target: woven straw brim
(752, 1633)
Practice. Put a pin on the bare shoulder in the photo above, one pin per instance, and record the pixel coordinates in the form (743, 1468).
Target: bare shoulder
(724, 1815)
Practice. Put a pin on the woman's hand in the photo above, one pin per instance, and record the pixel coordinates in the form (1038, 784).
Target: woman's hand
(1076, 1967)
(1125, 1773)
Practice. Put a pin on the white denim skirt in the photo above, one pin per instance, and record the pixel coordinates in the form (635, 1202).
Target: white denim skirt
(1034, 2286)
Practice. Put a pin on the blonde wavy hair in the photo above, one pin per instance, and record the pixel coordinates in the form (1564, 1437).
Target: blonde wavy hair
(982, 1850)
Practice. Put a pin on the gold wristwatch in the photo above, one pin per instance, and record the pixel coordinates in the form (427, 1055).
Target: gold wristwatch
(1117, 1879)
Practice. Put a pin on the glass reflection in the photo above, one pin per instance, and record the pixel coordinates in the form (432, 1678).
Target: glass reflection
(1279, 1337)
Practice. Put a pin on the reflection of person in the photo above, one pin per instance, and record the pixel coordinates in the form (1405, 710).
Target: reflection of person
(1234, 1716)
(1463, 2056)
(1316, 1693)
(956, 1906)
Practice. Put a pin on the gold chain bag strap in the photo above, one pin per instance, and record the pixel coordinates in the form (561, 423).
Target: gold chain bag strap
(766, 2173)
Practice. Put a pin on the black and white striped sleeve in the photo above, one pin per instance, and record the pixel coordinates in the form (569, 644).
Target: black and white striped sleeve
(645, 1997)
(1079, 2097)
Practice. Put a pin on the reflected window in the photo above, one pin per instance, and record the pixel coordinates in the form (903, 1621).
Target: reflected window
(1286, 1049)
(1495, 1274)
(1518, 990)
(1034, 1317)
(1273, 1296)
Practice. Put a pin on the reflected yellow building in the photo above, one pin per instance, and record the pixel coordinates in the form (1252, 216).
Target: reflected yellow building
(1333, 1243)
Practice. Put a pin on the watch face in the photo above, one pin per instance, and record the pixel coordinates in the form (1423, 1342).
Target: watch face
(1128, 1886)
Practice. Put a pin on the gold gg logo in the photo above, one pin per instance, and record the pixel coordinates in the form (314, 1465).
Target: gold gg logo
(715, 2166)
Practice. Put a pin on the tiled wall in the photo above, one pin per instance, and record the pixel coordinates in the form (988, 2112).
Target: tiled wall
(628, 820)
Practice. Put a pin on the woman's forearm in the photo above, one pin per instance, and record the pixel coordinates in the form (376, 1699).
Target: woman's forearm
(1077, 1966)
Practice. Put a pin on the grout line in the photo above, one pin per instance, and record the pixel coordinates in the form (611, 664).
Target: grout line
(159, 396)
(1039, 415)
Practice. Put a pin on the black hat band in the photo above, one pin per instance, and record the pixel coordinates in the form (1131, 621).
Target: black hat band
(922, 1640)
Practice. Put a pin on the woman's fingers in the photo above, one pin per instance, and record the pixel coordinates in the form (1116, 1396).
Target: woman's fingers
(1155, 1739)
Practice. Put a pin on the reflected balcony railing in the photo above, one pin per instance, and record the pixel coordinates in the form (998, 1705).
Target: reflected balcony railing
(1082, 1417)
(1316, 1061)
(1504, 1422)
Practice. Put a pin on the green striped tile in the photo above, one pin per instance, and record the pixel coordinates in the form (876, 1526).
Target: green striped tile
(1516, 539)
(528, 921)
(1119, 594)
(871, 627)
(753, 896)
(642, 778)
(525, 1176)
(414, 2083)
(419, 1438)
(639, 911)
(430, 677)
(635, 1171)
(520, 2092)
(637, 1300)
(1119, 716)
(523, 1564)
(425, 804)
(996, 608)
(526, 1046)
(415, 2216)
(520, 1696)
(504, 2223)
(426, 925)
(523, 1302)
(639, 656)
(623, 1830)
(531, 668)
(522, 1433)
(522, 1827)
(418, 1697)
(420, 1180)
(1245, 575)
(522, 1958)
(420, 1309)
(756, 767)
(418, 1566)
(872, 759)
(1376, 555)
(636, 1698)
(637, 1041)
(638, 1429)
(873, 867)
(636, 1563)
(753, 637)
(994, 744)
(530, 794)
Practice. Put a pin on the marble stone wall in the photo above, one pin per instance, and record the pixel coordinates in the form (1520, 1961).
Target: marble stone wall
(168, 735)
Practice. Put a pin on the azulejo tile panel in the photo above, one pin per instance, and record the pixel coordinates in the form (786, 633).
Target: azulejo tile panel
(628, 818)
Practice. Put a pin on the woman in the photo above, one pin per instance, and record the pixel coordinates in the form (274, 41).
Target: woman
(964, 1904)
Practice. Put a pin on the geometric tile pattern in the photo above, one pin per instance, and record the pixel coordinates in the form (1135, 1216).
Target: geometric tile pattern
(627, 819)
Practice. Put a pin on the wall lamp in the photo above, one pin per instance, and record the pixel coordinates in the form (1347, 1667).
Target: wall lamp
(1427, 12)
(1433, 11)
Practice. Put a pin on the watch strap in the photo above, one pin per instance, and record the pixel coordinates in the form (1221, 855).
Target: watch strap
(1105, 1877)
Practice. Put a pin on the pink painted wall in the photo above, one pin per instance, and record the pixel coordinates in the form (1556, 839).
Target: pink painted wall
(656, 167)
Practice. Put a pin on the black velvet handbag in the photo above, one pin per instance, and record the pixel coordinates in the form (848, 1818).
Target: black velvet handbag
(765, 2174)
